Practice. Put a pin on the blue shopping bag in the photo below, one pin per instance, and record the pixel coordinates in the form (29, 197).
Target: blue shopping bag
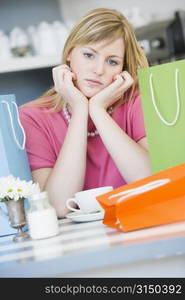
(13, 156)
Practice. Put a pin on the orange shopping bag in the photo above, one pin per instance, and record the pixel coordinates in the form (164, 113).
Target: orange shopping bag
(152, 201)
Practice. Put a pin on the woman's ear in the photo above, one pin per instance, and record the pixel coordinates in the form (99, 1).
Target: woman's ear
(68, 57)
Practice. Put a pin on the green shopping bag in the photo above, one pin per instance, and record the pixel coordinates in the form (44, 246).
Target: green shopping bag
(163, 101)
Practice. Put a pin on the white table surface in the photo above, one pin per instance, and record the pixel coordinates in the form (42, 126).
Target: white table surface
(92, 249)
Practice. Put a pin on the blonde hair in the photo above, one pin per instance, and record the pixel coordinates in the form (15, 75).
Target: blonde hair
(97, 25)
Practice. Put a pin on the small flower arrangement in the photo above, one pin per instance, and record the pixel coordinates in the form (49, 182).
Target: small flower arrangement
(12, 188)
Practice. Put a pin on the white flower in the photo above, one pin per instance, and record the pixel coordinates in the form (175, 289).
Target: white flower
(12, 188)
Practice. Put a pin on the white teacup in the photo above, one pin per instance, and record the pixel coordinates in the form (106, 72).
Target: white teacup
(86, 200)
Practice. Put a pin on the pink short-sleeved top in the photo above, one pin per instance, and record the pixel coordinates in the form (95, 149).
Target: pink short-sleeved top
(45, 134)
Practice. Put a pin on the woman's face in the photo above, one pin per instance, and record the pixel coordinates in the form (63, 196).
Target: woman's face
(96, 65)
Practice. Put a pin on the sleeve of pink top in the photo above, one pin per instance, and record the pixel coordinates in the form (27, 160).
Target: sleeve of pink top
(137, 120)
(38, 146)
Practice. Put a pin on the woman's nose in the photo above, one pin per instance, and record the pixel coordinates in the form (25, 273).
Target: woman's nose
(99, 68)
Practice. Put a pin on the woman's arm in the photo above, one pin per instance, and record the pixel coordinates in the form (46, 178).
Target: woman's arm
(67, 175)
(131, 158)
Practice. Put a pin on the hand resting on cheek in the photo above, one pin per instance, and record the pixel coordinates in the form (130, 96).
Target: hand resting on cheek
(113, 92)
(64, 80)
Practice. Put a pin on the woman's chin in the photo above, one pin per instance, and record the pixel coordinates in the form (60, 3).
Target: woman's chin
(89, 93)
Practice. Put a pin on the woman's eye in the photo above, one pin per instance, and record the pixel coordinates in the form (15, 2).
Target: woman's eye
(112, 62)
(88, 55)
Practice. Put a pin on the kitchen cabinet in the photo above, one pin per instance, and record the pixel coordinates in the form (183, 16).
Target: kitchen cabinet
(28, 63)
(27, 77)
(27, 84)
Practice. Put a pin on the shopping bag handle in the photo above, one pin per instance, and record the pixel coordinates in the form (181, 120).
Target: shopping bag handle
(177, 100)
(141, 189)
(21, 147)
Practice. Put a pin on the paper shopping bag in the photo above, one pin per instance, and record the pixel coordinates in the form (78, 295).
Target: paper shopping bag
(155, 200)
(13, 156)
(163, 100)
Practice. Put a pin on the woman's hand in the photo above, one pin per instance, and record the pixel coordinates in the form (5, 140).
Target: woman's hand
(112, 93)
(63, 79)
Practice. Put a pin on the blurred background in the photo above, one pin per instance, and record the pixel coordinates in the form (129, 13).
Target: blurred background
(32, 35)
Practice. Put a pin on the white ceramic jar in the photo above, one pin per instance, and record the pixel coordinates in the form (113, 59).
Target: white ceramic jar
(41, 217)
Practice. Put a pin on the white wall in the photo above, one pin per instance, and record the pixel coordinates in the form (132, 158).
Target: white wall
(72, 10)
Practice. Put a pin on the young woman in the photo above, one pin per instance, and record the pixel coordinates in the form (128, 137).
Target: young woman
(88, 131)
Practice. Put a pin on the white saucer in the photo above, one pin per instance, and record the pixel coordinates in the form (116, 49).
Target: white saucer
(81, 217)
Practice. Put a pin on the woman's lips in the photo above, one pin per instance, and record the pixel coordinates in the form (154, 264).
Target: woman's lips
(93, 82)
